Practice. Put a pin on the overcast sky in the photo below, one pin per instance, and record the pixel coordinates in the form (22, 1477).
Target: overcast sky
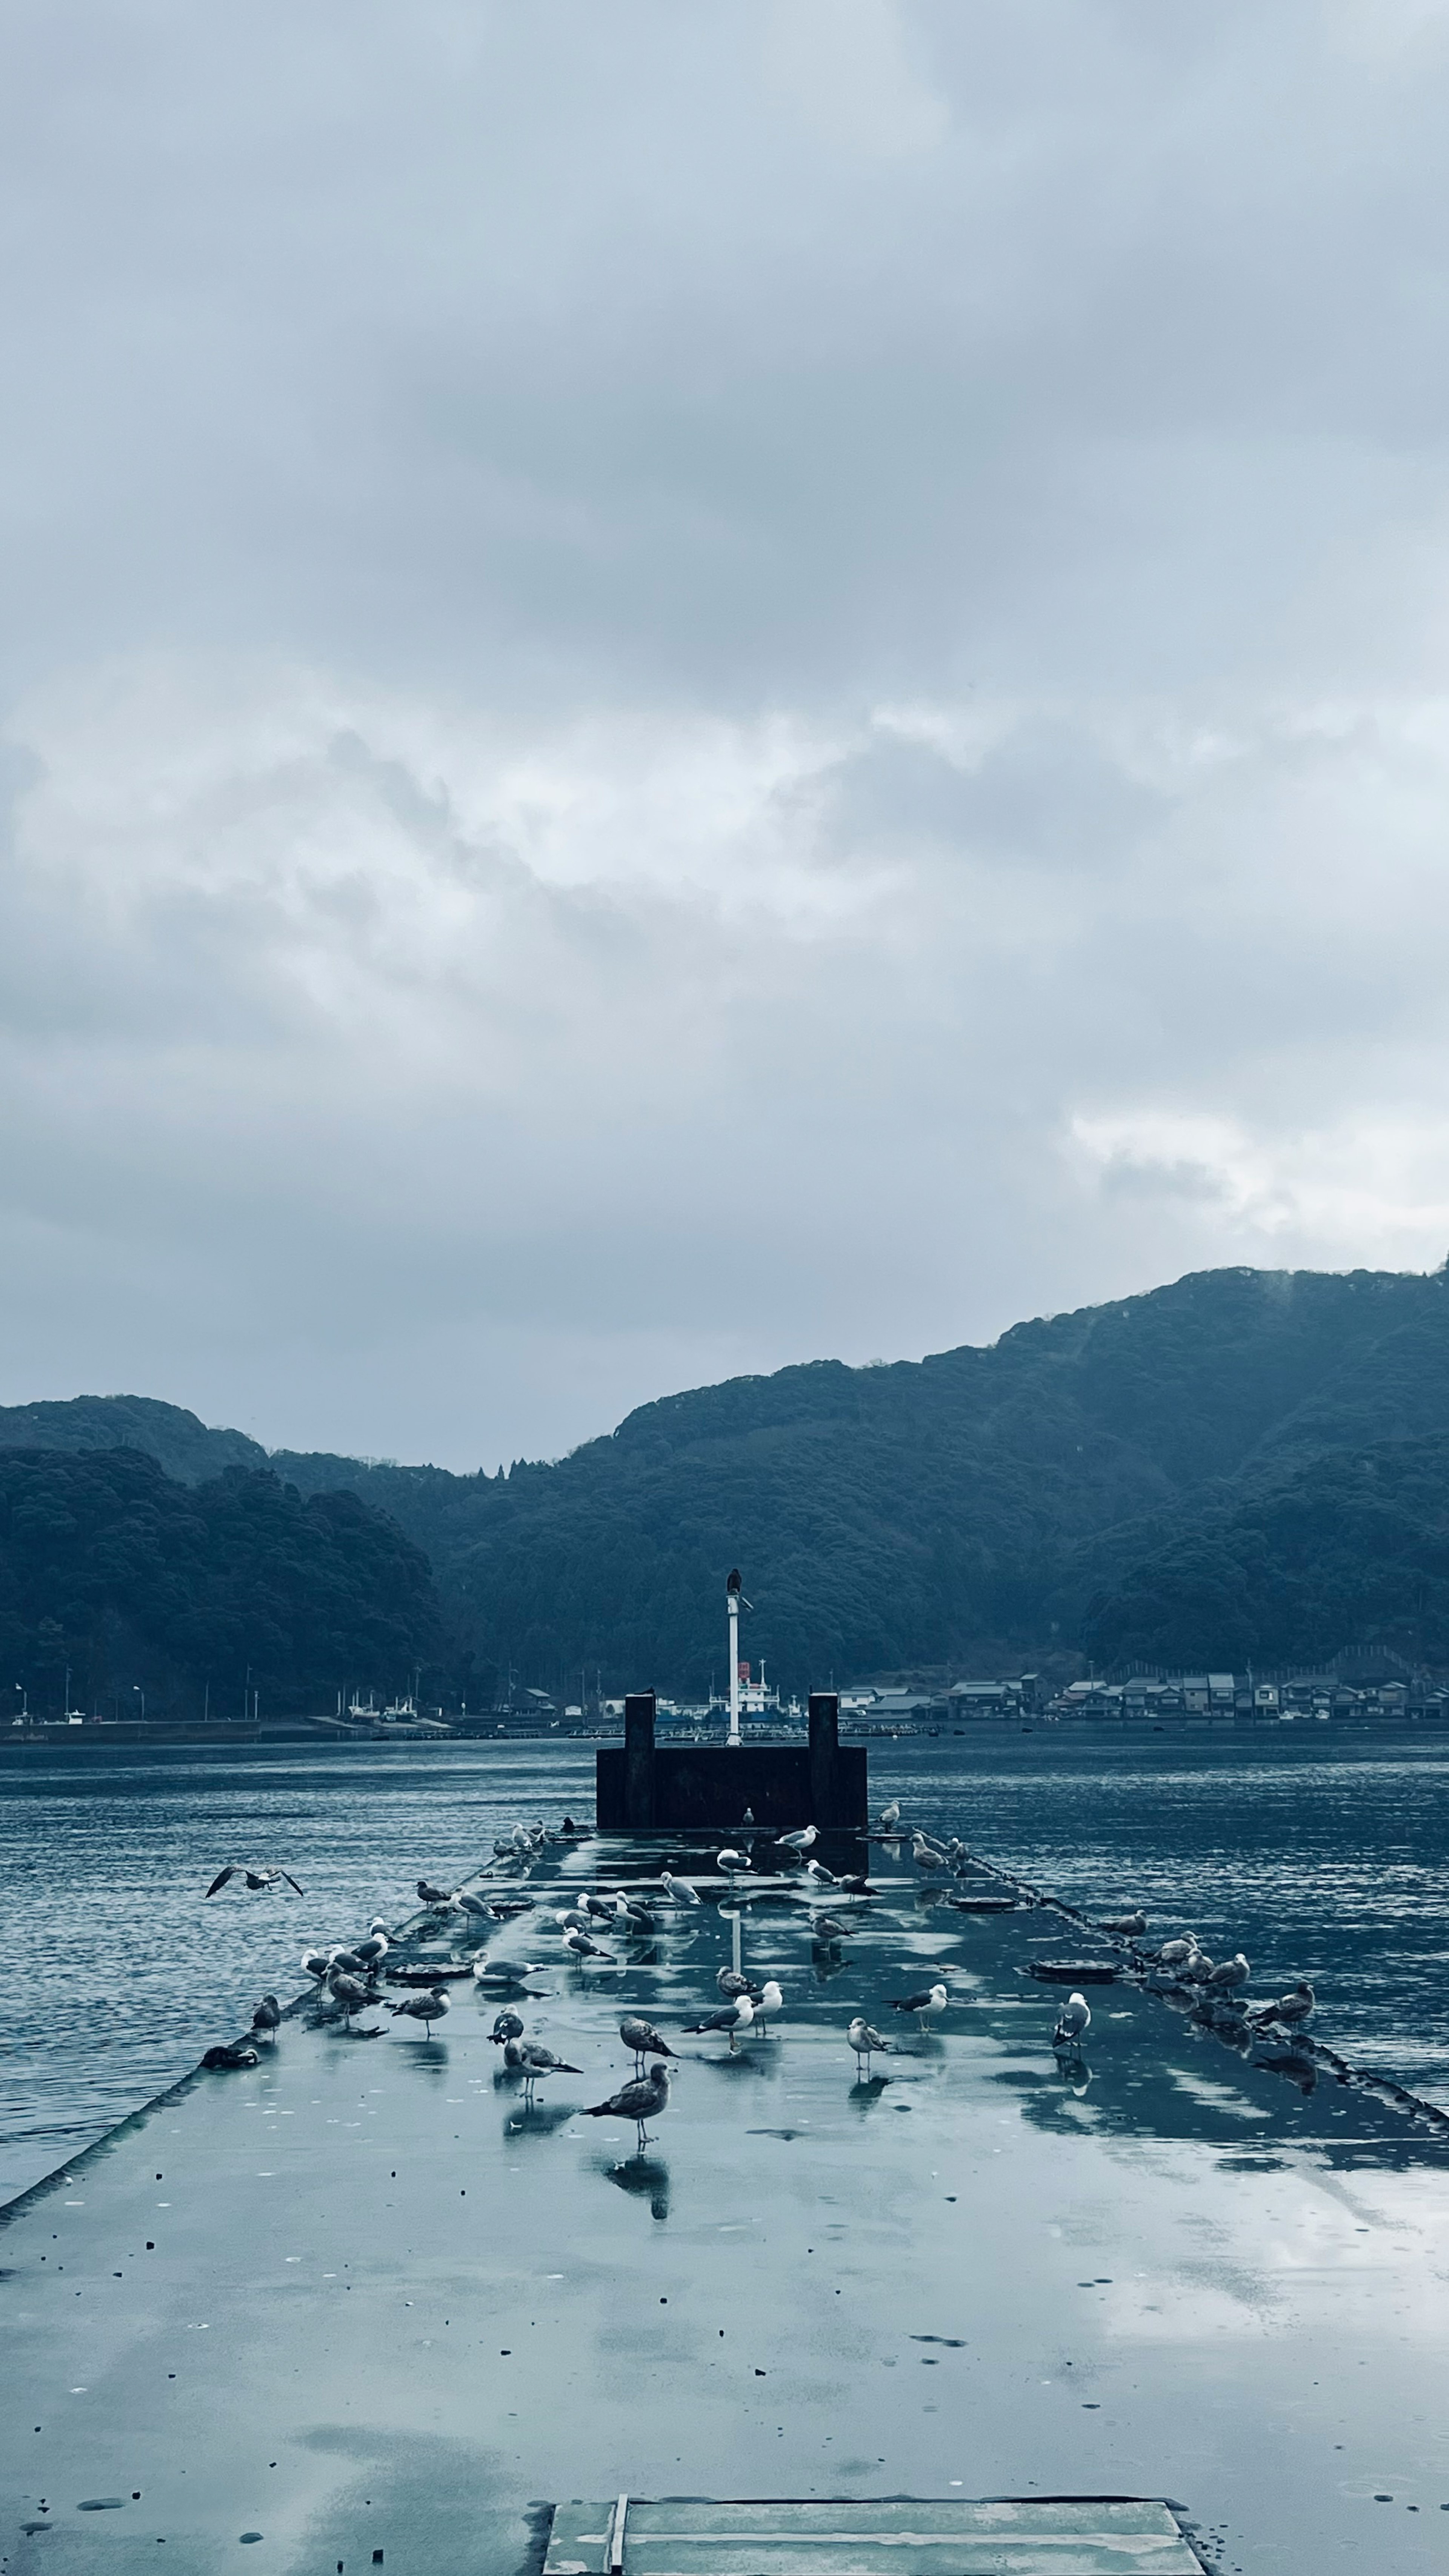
(691, 686)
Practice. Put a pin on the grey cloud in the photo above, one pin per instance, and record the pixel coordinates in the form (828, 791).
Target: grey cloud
(690, 687)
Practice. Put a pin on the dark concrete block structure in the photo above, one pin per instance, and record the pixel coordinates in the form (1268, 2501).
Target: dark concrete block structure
(645, 1787)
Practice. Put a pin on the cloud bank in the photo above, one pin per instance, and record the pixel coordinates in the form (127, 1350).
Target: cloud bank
(685, 689)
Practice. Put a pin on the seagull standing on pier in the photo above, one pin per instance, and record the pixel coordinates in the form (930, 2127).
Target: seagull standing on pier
(506, 2025)
(799, 1841)
(1229, 1975)
(732, 1862)
(434, 1895)
(580, 1947)
(733, 2017)
(639, 2101)
(863, 2040)
(769, 1999)
(1073, 2022)
(679, 1891)
(267, 2019)
(643, 2039)
(528, 2058)
(889, 1817)
(930, 1999)
(426, 2008)
(1290, 2012)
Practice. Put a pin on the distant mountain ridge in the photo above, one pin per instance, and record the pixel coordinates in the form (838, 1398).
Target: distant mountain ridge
(962, 1508)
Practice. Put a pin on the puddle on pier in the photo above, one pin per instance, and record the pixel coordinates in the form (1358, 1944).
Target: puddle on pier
(363, 2297)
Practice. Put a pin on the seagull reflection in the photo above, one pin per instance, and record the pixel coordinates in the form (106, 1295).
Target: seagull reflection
(538, 2119)
(645, 2177)
(866, 2091)
(1295, 2066)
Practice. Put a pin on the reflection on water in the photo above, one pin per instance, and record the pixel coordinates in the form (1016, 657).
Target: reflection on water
(646, 2177)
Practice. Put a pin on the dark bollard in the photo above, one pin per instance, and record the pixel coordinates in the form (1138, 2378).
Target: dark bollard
(639, 1762)
(824, 1745)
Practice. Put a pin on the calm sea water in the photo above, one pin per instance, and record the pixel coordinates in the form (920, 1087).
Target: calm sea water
(1316, 1860)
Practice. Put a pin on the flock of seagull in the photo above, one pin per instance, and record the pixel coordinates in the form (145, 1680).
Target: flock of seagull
(345, 1977)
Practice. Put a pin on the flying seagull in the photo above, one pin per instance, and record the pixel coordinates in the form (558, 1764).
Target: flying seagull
(639, 2101)
(644, 2040)
(931, 1999)
(1073, 2022)
(256, 1880)
(426, 2008)
(863, 2039)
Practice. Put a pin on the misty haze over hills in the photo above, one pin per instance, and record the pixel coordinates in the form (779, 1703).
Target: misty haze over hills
(1243, 1464)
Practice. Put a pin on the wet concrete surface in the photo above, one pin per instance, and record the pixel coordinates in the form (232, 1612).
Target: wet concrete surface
(360, 2298)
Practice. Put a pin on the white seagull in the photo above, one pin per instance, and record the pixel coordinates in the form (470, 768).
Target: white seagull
(931, 1999)
(863, 2039)
(1073, 2023)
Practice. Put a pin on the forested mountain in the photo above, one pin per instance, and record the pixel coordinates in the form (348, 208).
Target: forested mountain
(959, 1509)
(1352, 1550)
(140, 1584)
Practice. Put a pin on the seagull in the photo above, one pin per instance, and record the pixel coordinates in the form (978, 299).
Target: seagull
(229, 2053)
(768, 1999)
(854, 1886)
(317, 1963)
(642, 2100)
(266, 2020)
(829, 1928)
(1229, 1974)
(257, 1881)
(426, 2008)
(636, 1920)
(350, 1992)
(351, 1963)
(822, 1876)
(644, 2040)
(1073, 2022)
(581, 1948)
(434, 1895)
(679, 1891)
(733, 2017)
(475, 1907)
(1176, 1954)
(925, 1853)
(730, 1862)
(890, 1816)
(603, 1908)
(931, 1999)
(1198, 1969)
(731, 1983)
(375, 1948)
(863, 2039)
(799, 1841)
(506, 2025)
(1290, 2011)
(526, 2057)
(1130, 1924)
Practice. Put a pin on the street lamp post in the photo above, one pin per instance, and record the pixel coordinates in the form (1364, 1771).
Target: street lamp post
(139, 1694)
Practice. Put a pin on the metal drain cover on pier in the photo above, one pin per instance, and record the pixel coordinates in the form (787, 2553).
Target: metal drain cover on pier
(899, 2536)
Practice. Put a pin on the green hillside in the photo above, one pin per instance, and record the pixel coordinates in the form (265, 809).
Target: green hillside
(962, 1509)
(139, 1583)
(1352, 1551)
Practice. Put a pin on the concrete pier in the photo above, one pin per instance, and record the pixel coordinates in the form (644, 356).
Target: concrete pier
(660, 1788)
(384, 2336)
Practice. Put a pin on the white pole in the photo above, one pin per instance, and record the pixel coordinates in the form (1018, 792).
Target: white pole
(733, 1600)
